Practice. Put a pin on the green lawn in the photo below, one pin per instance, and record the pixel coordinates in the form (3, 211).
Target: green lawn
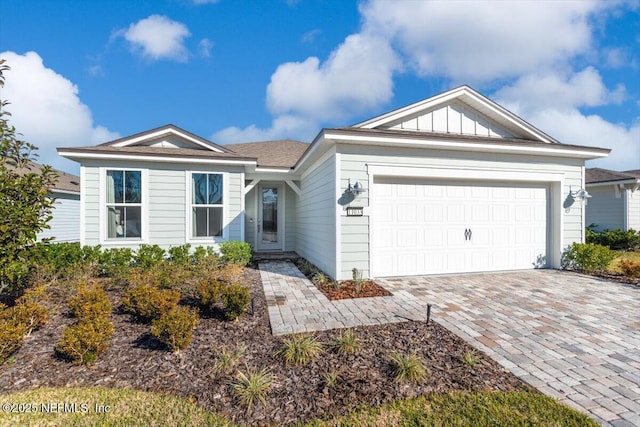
(614, 266)
(130, 407)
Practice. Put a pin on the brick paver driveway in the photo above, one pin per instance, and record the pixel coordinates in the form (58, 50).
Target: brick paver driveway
(573, 337)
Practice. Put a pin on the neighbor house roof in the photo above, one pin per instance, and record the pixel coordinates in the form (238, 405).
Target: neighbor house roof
(66, 181)
(596, 175)
(282, 153)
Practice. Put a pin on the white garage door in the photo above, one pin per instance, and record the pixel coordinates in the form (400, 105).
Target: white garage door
(434, 227)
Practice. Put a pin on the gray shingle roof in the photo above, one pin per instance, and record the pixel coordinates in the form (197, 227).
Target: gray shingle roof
(281, 153)
(66, 181)
(594, 175)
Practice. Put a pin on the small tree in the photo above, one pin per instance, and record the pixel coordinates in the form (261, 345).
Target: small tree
(25, 208)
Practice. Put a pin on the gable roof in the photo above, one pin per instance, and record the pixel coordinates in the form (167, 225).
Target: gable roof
(66, 182)
(599, 175)
(277, 154)
(165, 131)
(461, 98)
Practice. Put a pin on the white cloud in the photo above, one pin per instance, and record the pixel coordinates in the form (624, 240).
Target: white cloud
(204, 48)
(158, 37)
(544, 89)
(282, 127)
(357, 77)
(573, 127)
(310, 36)
(46, 109)
(480, 41)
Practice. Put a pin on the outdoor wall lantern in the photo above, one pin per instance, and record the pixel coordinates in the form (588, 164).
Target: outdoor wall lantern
(581, 195)
(355, 189)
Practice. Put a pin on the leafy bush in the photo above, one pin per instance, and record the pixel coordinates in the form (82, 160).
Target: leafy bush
(90, 302)
(253, 386)
(115, 262)
(235, 252)
(230, 273)
(204, 253)
(180, 254)
(235, 299)
(588, 257)
(147, 302)
(149, 256)
(209, 291)
(407, 368)
(11, 335)
(84, 341)
(630, 268)
(175, 328)
(614, 239)
(300, 349)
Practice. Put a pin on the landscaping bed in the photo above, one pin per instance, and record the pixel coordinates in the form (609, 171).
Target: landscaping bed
(329, 385)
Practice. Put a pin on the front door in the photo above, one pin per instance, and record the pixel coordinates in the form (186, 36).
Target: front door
(270, 217)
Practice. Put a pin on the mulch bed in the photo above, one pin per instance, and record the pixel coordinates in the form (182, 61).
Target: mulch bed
(136, 360)
(348, 289)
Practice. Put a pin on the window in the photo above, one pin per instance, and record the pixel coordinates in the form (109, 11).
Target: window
(124, 204)
(207, 205)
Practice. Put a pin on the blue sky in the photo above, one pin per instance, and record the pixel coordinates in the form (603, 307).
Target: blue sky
(84, 72)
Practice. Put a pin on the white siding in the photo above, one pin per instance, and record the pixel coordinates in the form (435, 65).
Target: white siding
(166, 202)
(454, 118)
(316, 207)
(65, 224)
(633, 207)
(355, 230)
(604, 209)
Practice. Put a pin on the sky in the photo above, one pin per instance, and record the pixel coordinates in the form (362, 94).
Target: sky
(85, 72)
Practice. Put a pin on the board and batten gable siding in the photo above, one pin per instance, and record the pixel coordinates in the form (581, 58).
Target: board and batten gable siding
(354, 161)
(605, 210)
(64, 225)
(316, 215)
(167, 202)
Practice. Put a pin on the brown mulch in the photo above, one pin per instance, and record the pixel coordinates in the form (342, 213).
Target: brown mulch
(348, 289)
(136, 360)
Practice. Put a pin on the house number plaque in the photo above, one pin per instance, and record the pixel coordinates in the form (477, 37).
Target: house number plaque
(354, 211)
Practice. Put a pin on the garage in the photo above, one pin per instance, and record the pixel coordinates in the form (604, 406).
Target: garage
(432, 227)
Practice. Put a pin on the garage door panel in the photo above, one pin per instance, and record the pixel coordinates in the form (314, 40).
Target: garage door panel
(419, 227)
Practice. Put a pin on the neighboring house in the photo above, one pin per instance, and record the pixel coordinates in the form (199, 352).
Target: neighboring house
(65, 222)
(615, 199)
(453, 183)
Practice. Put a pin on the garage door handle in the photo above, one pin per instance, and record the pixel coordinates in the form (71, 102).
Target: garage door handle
(470, 234)
(467, 234)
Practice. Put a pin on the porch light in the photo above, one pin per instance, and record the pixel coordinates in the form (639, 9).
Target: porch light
(581, 195)
(355, 189)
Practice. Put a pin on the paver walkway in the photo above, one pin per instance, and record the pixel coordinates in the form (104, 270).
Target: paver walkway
(573, 337)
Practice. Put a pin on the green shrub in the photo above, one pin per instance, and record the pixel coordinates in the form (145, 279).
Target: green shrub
(300, 349)
(84, 341)
(11, 335)
(149, 256)
(407, 368)
(630, 268)
(65, 258)
(147, 302)
(204, 254)
(115, 262)
(235, 252)
(28, 314)
(614, 239)
(209, 291)
(588, 257)
(175, 328)
(180, 254)
(235, 299)
(89, 302)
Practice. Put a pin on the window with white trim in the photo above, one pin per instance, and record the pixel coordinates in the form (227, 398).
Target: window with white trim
(124, 204)
(207, 191)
